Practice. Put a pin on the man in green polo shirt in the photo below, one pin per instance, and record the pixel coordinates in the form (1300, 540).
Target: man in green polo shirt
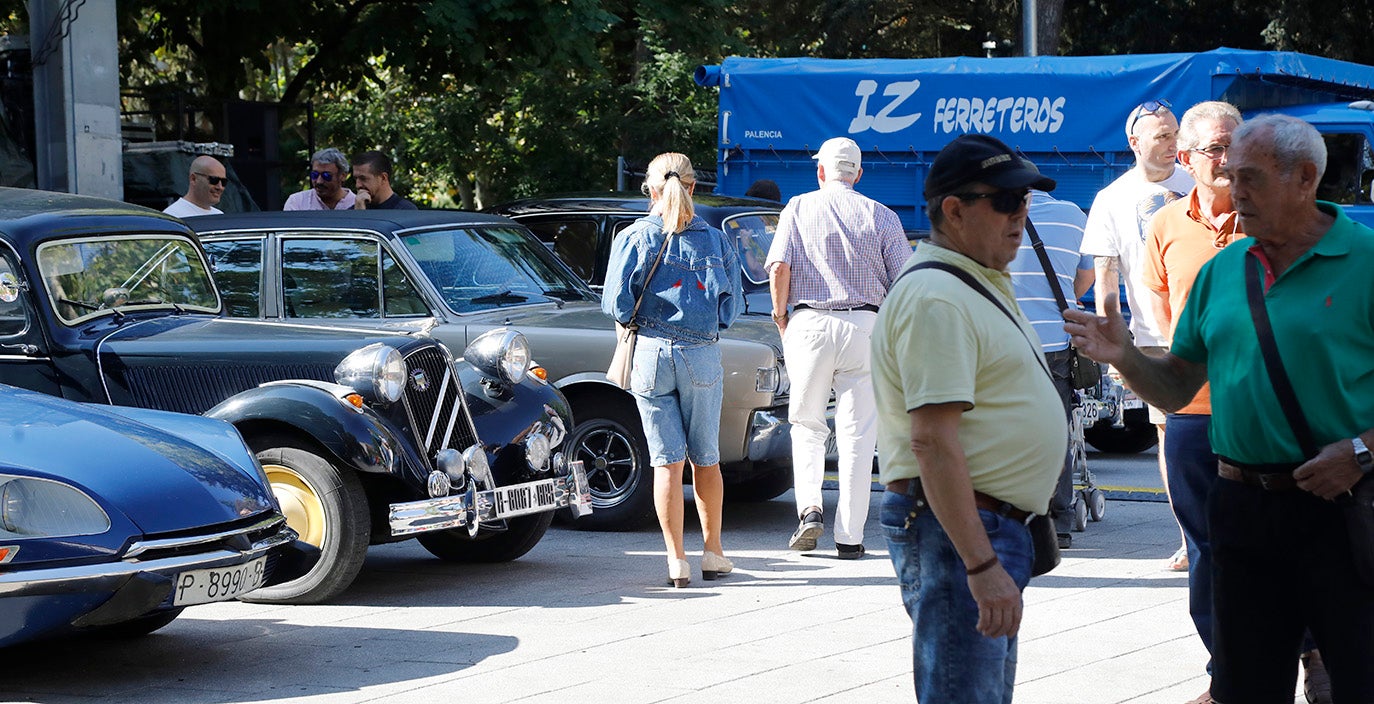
(971, 431)
(1274, 504)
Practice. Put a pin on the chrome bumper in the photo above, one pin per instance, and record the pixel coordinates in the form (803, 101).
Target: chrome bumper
(112, 576)
(472, 508)
(770, 436)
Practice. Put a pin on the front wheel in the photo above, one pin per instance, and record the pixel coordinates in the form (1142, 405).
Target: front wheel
(609, 440)
(1129, 439)
(521, 534)
(326, 505)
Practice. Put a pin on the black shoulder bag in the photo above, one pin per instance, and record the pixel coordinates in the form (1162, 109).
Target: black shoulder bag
(1084, 373)
(1357, 507)
(1044, 539)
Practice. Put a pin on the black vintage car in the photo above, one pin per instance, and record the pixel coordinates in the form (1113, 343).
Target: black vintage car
(367, 436)
(459, 275)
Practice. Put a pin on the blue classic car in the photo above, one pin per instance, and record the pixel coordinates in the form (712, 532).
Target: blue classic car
(116, 519)
(367, 436)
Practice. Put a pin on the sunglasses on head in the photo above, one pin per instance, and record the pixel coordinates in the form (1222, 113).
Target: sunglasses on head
(322, 176)
(1005, 202)
(1150, 108)
(213, 180)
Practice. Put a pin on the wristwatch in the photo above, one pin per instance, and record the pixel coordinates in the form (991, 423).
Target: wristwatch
(1362, 455)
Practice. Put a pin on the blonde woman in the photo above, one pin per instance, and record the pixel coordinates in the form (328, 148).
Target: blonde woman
(694, 292)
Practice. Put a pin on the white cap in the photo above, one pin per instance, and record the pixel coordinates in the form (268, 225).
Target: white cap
(840, 155)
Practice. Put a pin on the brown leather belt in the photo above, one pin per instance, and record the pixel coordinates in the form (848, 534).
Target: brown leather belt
(1269, 481)
(912, 487)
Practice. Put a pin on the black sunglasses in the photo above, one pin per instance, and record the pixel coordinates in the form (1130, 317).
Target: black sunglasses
(322, 176)
(1005, 202)
(214, 180)
(1150, 108)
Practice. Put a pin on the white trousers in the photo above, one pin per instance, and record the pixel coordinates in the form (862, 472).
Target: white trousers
(828, 351)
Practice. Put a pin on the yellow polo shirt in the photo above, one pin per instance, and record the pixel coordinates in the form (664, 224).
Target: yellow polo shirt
(939, 341)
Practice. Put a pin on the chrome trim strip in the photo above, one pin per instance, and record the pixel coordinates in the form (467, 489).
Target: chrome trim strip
(434, 415)
(141, 546)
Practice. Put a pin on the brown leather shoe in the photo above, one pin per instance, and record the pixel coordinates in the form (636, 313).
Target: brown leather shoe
(1316, 685)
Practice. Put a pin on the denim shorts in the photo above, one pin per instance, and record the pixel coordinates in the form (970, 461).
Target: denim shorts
(678, 387)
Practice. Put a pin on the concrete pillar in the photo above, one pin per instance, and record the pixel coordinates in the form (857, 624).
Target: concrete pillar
(76, 96)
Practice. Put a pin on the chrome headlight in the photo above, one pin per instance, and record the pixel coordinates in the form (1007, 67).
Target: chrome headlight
(377, 372)
(538, 450)
(42, 508)
(475, 459)
(501, 353)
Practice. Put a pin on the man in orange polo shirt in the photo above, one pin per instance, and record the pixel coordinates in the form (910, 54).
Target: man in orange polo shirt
(1179, 239)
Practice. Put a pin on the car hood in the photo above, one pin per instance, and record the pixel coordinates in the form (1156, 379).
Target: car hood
(588, 316)
(148, 472)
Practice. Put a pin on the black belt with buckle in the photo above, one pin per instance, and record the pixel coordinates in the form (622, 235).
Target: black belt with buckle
(912, 487)
(865, 307)
(1270, 477)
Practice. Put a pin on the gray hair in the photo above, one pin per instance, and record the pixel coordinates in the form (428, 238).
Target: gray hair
(1213, 110)
(330, 155)
(1293, 141)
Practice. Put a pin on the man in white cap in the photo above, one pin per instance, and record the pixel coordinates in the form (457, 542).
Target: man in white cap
(834, 256)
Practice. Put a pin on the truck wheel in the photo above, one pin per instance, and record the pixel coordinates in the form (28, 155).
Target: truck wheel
(771, 483)
(1134, 437)
(137, 627)
(609, 440)
(521, 534)
(327, 507)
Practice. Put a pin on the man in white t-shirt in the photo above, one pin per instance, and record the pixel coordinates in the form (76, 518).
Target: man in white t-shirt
(207, 182)
(1115, 236)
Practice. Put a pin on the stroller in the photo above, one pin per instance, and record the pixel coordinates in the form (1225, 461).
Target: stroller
(1102, 402)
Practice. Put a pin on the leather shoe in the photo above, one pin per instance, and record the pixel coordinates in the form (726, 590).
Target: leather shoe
(678, 572)
(849, 552)
(714, 565)
(1316, 685)
(810, 528)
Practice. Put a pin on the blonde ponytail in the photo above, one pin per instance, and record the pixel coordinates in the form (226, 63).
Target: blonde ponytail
(672, 177)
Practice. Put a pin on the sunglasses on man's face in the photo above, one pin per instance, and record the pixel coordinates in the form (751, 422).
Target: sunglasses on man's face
(325, 176)
(1005, 202)
(214, 180)
(1151, 108)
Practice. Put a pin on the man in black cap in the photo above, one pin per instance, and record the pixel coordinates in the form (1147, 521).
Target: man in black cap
(971, 432)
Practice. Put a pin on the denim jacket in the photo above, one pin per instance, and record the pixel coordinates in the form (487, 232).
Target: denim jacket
(696, 291)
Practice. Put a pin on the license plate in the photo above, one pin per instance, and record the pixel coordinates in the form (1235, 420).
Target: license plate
(522, 499)
(219, 584)
(1132, 402)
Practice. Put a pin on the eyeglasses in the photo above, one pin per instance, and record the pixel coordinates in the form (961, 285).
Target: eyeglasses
(1214, 152)
(325, 176)
(1151, 108)
(1005, 202)
(213, 180)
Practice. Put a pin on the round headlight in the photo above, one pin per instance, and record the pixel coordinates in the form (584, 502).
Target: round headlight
(501, 353)
(377, 372)
(31, 508)
(538, 450)
(475, 458)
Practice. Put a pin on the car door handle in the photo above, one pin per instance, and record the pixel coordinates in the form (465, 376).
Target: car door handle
(24, 348)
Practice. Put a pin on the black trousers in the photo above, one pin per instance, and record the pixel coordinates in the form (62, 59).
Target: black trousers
(1280, 565)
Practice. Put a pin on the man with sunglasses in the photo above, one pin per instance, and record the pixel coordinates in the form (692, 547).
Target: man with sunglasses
(328, 169)
(1115, 237)
(206, 187)
(971, 431)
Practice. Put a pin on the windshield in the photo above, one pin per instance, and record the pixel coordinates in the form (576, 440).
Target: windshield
(481, 268)
(753, 235)
(111, 276)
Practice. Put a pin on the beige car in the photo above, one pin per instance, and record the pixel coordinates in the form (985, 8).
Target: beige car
(458, 275)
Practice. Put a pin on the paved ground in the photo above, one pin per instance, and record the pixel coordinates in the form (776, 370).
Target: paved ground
(585, 618)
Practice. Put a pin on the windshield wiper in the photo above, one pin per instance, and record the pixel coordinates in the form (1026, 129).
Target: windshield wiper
(506, 296)
(86, 305)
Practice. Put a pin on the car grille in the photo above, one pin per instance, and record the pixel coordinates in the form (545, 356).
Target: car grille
(188, 389)
(436, 410)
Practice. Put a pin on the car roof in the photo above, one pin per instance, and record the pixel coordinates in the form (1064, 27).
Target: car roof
(28, 216)
(375, 220)
(625, 202)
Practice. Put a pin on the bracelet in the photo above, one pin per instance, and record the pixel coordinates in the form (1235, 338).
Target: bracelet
(984, 567)
(780, 316)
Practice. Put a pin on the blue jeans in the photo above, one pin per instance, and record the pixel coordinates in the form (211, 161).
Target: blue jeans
(951, 661)
(1191, 467)
(679, 387)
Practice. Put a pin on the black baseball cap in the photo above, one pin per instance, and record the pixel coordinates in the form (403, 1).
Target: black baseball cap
(979, 158)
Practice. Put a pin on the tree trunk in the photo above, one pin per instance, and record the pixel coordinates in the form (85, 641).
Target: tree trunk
(1049, 17)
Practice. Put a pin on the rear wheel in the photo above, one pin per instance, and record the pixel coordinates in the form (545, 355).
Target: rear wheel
(521, 534)
(1129, 439)
(326, 505)
(609, 440)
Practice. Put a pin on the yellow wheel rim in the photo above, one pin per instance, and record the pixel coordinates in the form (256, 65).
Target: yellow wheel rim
(300, 502)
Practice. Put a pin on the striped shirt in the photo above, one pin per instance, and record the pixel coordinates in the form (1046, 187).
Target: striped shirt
(1060, 226)
(844, 249)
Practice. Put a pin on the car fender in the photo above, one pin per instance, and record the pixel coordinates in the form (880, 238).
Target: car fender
(513, 411)
(356, 437)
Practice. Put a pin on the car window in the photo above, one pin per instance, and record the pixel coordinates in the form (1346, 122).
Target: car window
(753, 235)
(574, 241)
(330, 278)
(398, 294)
(237, 266)
(98, 276)
(13, 320)
(482, 268)
(1349, 169)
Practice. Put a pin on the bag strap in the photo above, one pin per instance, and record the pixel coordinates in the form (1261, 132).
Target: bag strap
(640, 299)
(973, 284)
(1039, 247)
(1278, 376)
